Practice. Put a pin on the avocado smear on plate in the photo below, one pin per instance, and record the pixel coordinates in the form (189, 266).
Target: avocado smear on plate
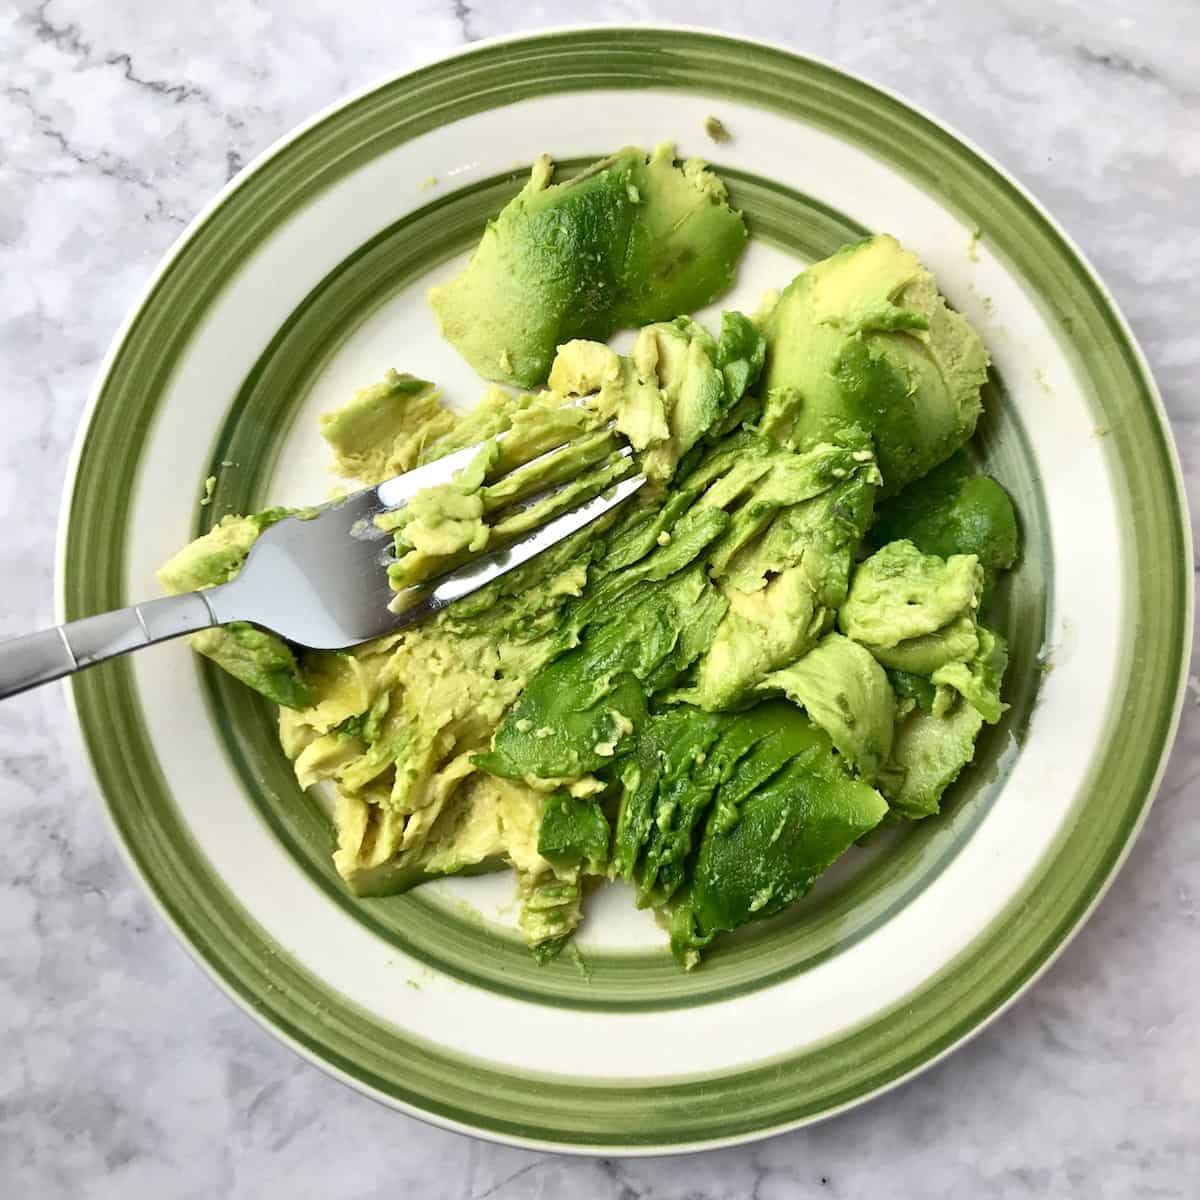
(715, 691)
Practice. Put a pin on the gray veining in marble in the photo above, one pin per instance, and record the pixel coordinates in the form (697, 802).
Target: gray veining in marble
(123, 1072)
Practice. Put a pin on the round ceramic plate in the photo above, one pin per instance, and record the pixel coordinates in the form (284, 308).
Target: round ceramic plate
(307, 279)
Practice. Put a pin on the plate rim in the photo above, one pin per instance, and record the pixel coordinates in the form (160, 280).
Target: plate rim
(178, 247)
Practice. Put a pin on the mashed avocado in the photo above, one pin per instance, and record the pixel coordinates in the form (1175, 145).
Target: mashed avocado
(716, 690)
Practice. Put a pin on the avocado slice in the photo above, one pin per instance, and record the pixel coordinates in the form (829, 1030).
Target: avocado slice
(674, 388)
(765, 851)
(784, 563)
(258, 659)
(978, 679)
(911, 691)
(707, 759)
(954, 642)
(633, 239)
(550, 912)
(935, 739)
(865, 337)
(217, 556)
(664, 752)
(576, 713)
(740, 356)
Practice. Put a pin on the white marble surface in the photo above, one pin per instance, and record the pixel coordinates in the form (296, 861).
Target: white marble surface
(123, 1072)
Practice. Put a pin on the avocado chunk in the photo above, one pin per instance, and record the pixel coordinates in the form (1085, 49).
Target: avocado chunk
(911, 691)
(631, 240)
(935, 738)
(846, 692)
(952, 511)
(550, 912)
(697, 759)
(978, 679)
(679, 358)
(784, 563)
(916, 615)
(673, 388)
(217, 556)
(665, 750)
(765, 851)
(574, 833)
(865, 337)
(914, 611)
(384, 429)
(258, 659)
(685, 743)
(928, 754)
(740, 356)
(575, 715)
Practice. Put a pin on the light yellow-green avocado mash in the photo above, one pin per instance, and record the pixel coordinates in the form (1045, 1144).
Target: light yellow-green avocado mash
(720, 687)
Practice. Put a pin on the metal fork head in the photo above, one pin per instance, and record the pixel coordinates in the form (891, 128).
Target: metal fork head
(320, 579)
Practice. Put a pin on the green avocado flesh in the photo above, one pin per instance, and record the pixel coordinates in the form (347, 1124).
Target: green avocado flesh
(633, 239)
(865, 336)
(713, 692)
(951, 511)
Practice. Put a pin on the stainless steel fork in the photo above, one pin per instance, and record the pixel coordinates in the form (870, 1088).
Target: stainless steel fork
(319, 581)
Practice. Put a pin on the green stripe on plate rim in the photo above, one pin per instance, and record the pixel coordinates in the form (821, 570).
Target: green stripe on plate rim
(439, 934)
(766, 1096)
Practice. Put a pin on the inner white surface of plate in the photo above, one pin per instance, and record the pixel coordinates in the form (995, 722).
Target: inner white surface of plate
(842, 991)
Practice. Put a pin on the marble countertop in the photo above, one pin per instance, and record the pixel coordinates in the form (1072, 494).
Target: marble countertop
(123, 1071)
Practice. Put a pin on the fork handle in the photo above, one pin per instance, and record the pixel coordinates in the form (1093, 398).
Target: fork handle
(37, 658)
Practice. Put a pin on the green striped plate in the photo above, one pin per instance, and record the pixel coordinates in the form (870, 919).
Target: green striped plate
(306, 279)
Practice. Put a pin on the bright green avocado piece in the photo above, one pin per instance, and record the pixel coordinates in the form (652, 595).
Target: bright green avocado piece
(574, 833)
(217, 556)
(900, 594)
(680, 355)
(956, 641)
(706, 759)
(911, 691)
(576, 713)
(675, 386)
(766, 851)
(846, 692)
(631, 240)
(864, 336)
(951, 511)
(667, 747)
(740, 355)
(258, 659)
(549, 913)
